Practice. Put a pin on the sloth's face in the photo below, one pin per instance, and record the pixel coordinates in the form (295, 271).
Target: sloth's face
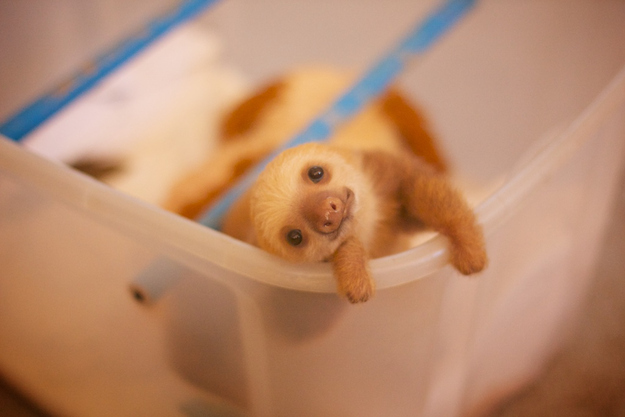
(306, 202)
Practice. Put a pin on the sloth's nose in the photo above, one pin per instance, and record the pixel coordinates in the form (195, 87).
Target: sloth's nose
(324, 211)
(330, 214)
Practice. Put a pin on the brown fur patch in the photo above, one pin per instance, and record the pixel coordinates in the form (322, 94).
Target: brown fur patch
(238, 121)
(244, 116)
(194, 208)
(412, 128)
(431, 198)
(387, 173)
(99, 168)
(413, 195)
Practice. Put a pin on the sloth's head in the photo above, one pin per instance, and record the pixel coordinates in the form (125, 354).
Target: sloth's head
(307, 201)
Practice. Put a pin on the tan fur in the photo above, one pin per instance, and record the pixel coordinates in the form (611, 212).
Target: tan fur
(351, 268)
(244, 117)
(392, 196)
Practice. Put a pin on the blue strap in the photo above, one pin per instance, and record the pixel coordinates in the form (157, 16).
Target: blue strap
(24, 121)
(366, 89)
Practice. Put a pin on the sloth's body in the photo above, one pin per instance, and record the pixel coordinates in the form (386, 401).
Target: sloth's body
(324, 203)
(380, 179)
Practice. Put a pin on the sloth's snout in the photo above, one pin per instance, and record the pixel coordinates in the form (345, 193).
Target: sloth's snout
(325, 211)
(330, 214)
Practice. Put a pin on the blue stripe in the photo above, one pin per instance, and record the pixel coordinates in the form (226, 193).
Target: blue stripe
(420, 39)
(23, 122)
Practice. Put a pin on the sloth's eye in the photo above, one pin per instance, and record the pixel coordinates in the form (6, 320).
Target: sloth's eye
(294, 237)
(315, 174)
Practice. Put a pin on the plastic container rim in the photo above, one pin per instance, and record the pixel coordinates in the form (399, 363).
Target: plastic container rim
(201, 248)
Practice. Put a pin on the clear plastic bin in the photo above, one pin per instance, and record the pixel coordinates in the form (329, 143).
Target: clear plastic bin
(528, 95)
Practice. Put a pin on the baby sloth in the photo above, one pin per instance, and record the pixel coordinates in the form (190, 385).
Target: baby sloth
(378, 179)
(319, 202)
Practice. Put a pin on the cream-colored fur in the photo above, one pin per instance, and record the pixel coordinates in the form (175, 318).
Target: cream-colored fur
(276, 202)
